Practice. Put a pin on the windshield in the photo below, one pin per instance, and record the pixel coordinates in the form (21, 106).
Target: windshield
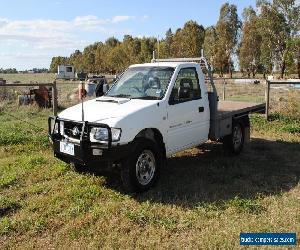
(142, 83)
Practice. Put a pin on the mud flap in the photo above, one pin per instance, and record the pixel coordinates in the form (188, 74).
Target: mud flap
(247, 135)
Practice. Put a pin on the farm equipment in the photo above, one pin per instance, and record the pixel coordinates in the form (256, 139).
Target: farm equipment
(42, 96)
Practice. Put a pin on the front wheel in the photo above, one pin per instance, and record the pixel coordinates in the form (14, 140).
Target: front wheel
(141, 169)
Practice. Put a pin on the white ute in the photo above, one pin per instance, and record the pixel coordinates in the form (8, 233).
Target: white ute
(152, 111)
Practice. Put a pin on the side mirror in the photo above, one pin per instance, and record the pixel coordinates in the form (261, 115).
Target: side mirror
(184, 92)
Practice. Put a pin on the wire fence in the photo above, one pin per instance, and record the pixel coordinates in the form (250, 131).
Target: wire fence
(282, 98)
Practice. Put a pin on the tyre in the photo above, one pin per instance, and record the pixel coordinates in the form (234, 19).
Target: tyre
(141, 169)
(234, 142)
(77, 167)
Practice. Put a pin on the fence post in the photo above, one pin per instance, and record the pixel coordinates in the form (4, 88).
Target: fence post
(224, 87)
(54, 98)
(267, 98)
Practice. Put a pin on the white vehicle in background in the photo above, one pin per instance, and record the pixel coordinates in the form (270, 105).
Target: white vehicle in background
(66, 72)
(152, 111)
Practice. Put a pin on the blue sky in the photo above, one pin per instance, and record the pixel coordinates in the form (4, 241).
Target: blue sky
(33, 31)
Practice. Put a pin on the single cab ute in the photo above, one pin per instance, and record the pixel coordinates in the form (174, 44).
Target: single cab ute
(152, 111)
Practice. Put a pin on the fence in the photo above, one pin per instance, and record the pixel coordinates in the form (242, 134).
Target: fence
(239, 89)
(52, 85)
(268, 87)
(235, 89)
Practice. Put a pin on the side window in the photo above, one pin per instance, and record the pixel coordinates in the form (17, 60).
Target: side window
(186, 86)
(69, 69)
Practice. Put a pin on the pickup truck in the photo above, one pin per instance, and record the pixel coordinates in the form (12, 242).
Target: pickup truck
(151, 111)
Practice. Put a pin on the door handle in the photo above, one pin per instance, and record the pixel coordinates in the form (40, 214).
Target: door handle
(201, 109)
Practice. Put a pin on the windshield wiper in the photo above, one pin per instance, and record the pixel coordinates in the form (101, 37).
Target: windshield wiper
(147, 98)
(120, 95)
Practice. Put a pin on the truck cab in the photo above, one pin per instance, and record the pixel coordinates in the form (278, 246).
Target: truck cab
(152, 111)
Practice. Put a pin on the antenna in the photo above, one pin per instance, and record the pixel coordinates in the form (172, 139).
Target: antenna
(82, 110)
(158, 46)
(153, 56)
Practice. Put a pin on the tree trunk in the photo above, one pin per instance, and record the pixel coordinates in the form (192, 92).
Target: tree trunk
(282, 69)
(229, 68)
(298, 68)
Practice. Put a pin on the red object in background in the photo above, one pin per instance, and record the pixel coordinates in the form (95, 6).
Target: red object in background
(42, 96)
(81, 92)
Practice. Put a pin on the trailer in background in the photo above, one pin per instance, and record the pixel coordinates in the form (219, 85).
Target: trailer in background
(66, 72)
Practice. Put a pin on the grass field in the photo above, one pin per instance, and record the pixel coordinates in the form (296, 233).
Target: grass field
(27, 78)
(203, 200)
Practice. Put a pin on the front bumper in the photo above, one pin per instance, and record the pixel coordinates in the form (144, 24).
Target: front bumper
(84, 149)
(84, 155)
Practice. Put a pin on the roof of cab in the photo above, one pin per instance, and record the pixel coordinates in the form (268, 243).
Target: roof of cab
(164, 64)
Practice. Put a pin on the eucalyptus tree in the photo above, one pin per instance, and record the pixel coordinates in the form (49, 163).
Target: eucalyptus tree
(227, 30)
(249, 47)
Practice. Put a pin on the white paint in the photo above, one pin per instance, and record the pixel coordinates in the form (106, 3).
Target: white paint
(181, 125)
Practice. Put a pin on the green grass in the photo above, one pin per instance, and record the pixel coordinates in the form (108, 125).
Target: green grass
(27, 78)
(204, 198)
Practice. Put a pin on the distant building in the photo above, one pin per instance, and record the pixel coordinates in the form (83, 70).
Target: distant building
(65, 72)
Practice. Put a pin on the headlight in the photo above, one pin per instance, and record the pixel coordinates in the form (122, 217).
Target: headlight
(101, 134)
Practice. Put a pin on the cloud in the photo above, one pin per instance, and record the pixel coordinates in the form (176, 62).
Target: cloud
(145, 18)
(118, 19)
(58, 37)
(3, 22)
(47, 33)
(89, 22)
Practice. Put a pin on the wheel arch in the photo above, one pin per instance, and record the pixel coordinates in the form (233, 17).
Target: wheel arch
(152, 134)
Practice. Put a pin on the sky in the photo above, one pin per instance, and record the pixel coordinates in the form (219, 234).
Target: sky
(33, 31)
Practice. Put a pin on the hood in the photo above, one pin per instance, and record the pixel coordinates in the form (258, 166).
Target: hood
(104, 108)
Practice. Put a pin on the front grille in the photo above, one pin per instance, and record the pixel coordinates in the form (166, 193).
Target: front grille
(73, 130)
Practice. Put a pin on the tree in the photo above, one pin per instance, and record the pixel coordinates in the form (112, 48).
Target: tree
(188, 41)
(117, 59)
(249, 49)
(227, 30)
(279, 26)
(166, 45)
(297, 53)
(112, 42)
(101, 54)
(89, 54)
(291, 11)
(132, 48)
(76, 60)
(148, 45)
(210, 47)
(58, 60)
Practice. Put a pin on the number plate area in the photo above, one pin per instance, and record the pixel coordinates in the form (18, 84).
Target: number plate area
(67, 148)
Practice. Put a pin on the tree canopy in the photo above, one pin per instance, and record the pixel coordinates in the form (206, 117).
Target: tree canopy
(264, 40)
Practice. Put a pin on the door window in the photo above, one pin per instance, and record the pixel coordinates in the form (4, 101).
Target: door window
(186, 87)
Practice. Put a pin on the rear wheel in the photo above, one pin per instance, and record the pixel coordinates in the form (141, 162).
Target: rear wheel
(234, 142)
(141, 169)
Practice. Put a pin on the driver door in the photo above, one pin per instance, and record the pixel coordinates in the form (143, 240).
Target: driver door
(187, 123)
